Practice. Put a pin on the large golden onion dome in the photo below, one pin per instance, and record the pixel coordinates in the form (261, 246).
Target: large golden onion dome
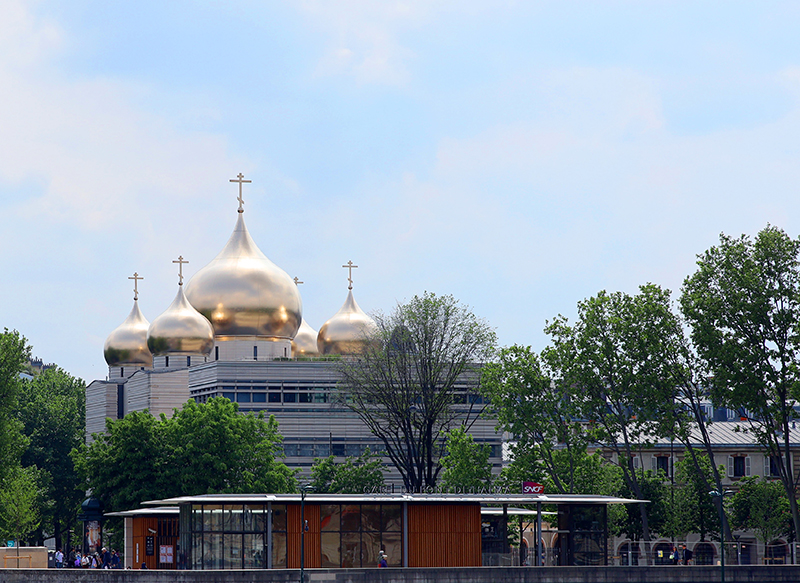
(348, 332)
(180, 329)
(127, 344)
(243, 293)
(305, 341)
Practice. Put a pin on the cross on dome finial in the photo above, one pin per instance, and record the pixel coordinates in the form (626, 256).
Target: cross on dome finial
(240, 179)
(350, 268)
(180, 263)
(297, 280)
(135, 279)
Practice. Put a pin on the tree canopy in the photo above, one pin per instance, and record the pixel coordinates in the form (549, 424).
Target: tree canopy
(202, 449)
(355, 475)
(417, 379)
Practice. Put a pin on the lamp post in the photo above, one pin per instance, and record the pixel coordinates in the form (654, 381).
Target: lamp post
(304, 489)
(721, 495)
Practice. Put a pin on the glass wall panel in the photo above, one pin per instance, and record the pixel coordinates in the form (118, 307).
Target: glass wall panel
(278, 550)
(371, 517)
(254, 551)
(351, 549)
(351, 518)
(254, 518)
(212, 551)
(197, 518)
(212, 517)
(197, 552)
(233, 551)
(279, 517)
(370, 545)
(392, 515)
(232, 518)
(393, 546)
(330, 550)
(330, 517)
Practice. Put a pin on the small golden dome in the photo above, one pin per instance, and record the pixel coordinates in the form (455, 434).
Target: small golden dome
(242, 293)
(348, 331)
(127, 344)
(305, 342)
(180, 329)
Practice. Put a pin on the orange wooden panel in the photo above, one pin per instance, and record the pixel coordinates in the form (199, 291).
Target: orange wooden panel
(444, 535)
(313, 541)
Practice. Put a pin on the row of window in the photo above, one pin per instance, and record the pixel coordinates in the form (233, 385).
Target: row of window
(738, 466)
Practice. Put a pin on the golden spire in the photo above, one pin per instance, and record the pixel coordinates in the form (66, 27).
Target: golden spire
(350, 268)
(240, 179)
(135, 279)
(180, 263)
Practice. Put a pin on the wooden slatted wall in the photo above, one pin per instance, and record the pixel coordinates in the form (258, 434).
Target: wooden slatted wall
(141, 524)
(313, 540)
(444, 535)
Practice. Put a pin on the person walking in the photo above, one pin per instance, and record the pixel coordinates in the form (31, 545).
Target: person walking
(59, 559)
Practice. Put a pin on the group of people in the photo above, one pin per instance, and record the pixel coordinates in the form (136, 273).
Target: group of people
(680, 556)
(104, 559)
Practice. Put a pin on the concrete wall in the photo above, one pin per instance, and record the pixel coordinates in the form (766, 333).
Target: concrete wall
(740, 574)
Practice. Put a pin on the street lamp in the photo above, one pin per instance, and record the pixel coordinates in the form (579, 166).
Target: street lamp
(304, 489)
(721, 495)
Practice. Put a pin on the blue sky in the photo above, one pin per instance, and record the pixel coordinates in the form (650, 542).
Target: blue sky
(520, 156)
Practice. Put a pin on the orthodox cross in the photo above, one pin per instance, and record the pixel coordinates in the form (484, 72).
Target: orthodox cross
(135, 279)
(350, 268)
(297, 281)
(240, 179)
(180, 263)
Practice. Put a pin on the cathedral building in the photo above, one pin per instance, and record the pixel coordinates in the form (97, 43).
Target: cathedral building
(236, 330)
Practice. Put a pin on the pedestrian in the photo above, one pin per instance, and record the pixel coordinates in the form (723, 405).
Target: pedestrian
(675, 555)
(382, 560)
(71, 560)
(106, 556)
(687, 555)
(115, 561)
(59, 559)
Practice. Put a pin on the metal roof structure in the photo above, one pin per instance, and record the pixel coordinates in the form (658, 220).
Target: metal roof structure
(494, 498)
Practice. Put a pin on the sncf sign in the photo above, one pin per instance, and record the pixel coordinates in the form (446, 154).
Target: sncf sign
(532, 488)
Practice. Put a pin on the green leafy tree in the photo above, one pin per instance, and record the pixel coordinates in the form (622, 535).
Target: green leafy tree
(355, 475)
(415, 381)
(628, 521)
(14, 356)
(202, 449)
(19, 504)
(611, 358)
(542, 414)
(52, 410)
(691, 509)
(743, 306)
(466, 467)
(761, 506)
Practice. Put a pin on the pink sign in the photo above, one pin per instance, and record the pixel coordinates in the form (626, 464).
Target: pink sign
(532, 488)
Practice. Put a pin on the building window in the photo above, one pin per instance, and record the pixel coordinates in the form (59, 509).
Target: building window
(166, 361)
(255, 352)
(188, 361)
(771, 467)
(353, 534)
(216, 353)
(661, 463)
(738, 466)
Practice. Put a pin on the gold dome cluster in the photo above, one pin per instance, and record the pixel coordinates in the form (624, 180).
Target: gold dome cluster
(305, 341)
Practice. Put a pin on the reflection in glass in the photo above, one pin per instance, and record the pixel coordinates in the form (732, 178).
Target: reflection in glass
(351, 549)
(393, 546)
(370, 517)
(197, 552)
(254, 551)
(370, 545)
(197, 517)
(212, 551)
(279, 517)
(233, 517)
(212, 517)
(330, 550)
(254, 518)
(329, 516)
(278, 550)
(233, 551)
(392, 517)
(351, 518)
